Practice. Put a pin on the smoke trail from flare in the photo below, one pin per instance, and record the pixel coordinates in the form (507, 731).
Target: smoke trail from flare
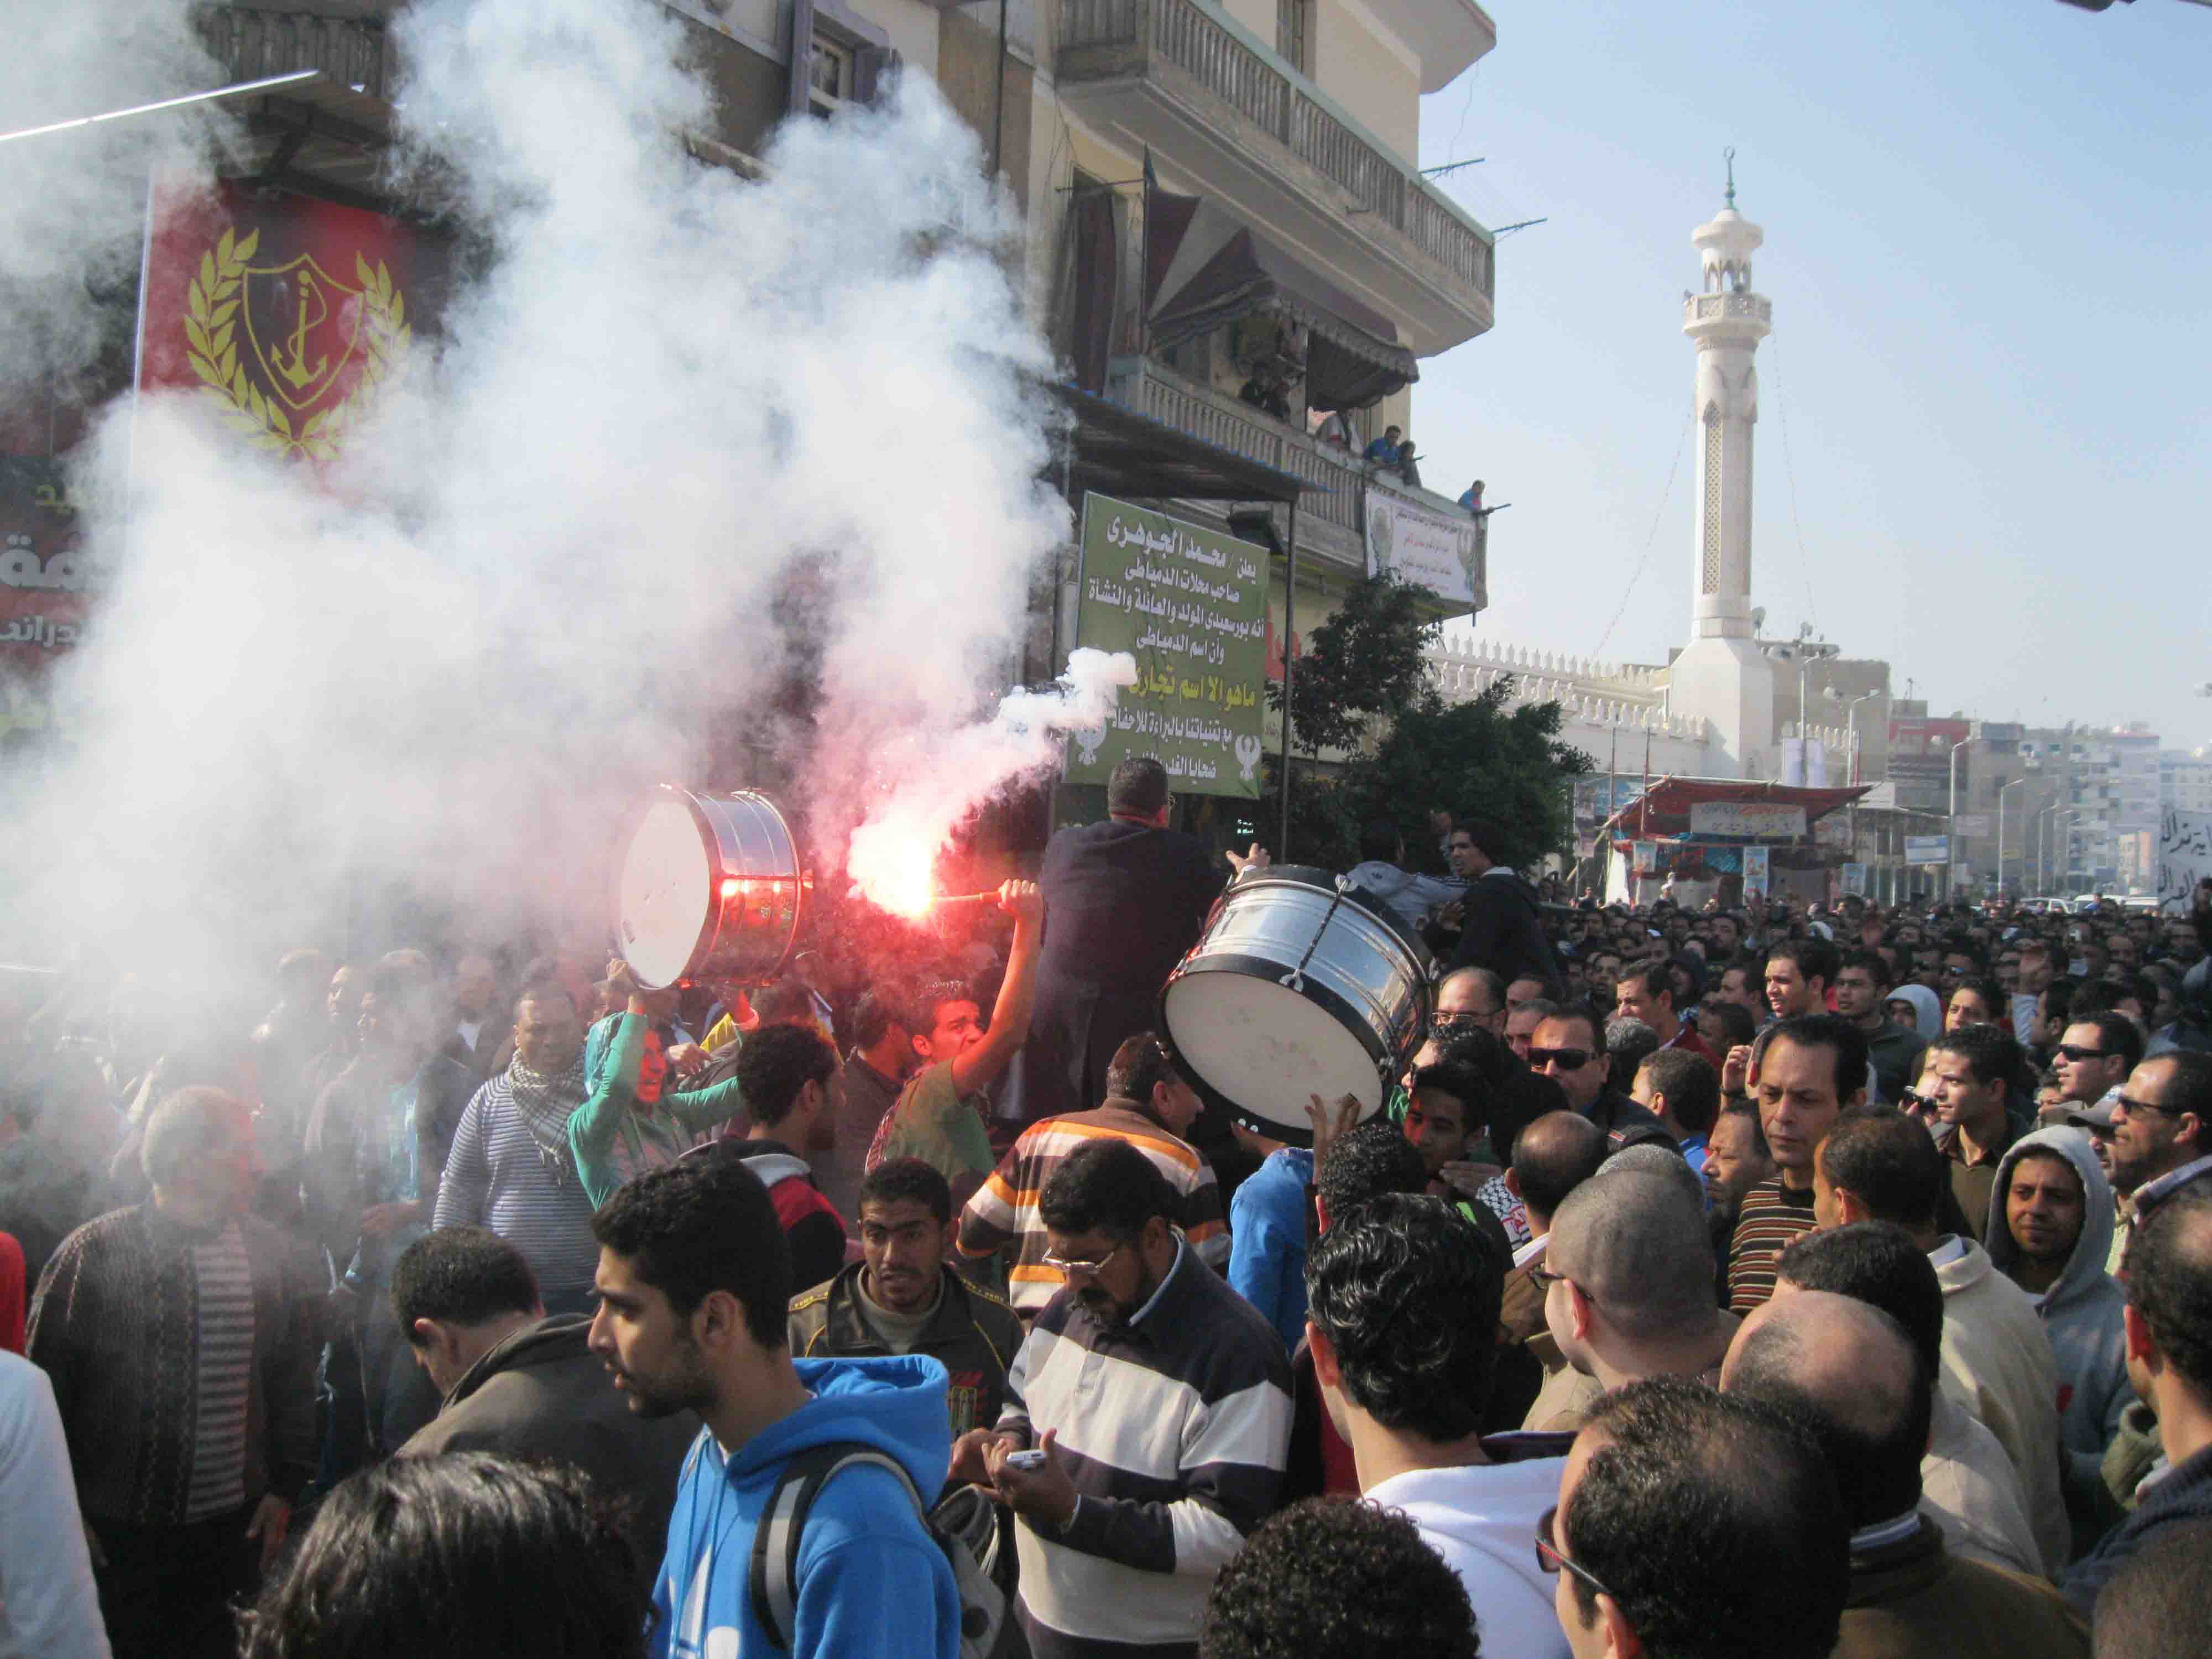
(932, 785)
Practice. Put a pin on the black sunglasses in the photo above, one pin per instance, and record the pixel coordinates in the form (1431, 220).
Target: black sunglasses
(2075, 1051)
(1570, 1059)
(2130, 1106)
(1548, 1557)
(1913, 1101)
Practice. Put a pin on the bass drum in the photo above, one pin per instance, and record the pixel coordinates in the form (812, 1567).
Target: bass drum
(708, 887)
(1295, 988)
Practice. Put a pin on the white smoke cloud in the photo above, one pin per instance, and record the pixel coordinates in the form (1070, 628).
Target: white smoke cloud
(682, 432)
(73, 206)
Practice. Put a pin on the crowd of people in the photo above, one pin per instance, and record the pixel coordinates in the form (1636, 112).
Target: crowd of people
(1792, 1281)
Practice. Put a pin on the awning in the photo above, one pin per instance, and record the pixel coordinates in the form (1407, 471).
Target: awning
(1207, 270)
(1119, 452)
(1663, 811)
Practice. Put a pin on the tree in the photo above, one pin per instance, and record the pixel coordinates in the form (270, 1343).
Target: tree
(1368, 661)
(1474, 759)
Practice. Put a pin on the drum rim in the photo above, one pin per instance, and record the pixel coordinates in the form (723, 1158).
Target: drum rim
(1336, 1005)
(1276, 874)
(694, 802)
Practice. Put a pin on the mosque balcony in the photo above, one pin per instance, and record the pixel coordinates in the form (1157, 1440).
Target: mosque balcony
(1741, 316)
(1181, 79)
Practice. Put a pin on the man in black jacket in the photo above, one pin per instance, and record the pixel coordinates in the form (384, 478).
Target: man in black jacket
(1123, 900)
(1501, 927)
(516, 1382)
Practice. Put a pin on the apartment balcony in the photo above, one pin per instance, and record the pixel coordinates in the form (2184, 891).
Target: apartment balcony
(1181, 78)
(1331, 515)
(329, 133)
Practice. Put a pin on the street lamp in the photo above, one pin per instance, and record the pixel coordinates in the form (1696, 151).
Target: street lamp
(1951, 818)
(2001, 788)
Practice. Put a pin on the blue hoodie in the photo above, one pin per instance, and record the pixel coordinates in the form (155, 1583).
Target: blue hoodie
(871, 1581)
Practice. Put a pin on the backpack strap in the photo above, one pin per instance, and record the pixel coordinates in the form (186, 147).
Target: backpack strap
(772, 1580)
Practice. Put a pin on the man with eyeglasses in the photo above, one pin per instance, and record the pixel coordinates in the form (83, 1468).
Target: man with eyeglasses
(1403, 1324)
(1566, 1049)
(1160, 1400)
(2160, 1137)
(1765, 1571)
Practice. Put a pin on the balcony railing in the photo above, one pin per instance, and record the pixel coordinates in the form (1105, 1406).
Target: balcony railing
(251, 44)
(1194, 36)
(1228, 423)
(1705, 306)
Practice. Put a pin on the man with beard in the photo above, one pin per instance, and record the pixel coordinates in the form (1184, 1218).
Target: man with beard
(511, 1168)
(1160, 1400)
(694, 1287)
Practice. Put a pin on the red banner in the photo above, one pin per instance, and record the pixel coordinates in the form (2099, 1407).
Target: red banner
(284, 313)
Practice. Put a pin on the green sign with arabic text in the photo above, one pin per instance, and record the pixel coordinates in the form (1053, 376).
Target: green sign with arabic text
(1191, 605)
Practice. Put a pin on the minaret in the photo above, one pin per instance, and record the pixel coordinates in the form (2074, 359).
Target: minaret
(1722, 675)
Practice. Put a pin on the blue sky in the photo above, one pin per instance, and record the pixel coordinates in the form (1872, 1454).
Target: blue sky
(1987, 248)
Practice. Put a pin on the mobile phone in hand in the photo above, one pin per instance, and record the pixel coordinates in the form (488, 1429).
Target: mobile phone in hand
(1026, 1460)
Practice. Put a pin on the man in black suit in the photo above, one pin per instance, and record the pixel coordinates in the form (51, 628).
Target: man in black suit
(1123, 900)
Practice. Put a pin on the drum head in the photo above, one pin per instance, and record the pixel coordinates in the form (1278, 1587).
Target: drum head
(664, 896)
(1264, 1049)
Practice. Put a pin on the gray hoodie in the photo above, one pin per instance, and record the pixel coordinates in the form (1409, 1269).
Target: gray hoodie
(2082, 1312)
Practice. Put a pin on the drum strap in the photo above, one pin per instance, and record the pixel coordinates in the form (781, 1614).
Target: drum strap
(1296, 979)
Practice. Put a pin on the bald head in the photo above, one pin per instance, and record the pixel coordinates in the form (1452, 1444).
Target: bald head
(1852, 1372)
(1635, 1242)
(1553, 1157)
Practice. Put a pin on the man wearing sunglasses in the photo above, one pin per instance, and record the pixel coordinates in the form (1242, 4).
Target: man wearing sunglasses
(1566, 1049)
(1765, 1569)
(2158, 1123)
(2094, 1055)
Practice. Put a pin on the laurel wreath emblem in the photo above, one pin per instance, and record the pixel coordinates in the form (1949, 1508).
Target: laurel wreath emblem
(210, 324)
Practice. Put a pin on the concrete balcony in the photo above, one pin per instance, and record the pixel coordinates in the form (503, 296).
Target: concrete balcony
(1331, 516)
(1241, 126)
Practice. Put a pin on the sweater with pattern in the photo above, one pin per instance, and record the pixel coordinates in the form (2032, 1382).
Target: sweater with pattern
(183, 1365)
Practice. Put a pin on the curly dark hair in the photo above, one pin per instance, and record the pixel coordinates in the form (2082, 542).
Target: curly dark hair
(1713, 1523)
(700, 1224)
(1407, 1295)
(900, 1178)
(2170, 1282)
(1108, 1187)
(1373, 1158)
(453, 1557)
(1990, 1056)
(460, 1276)
(1337, 1578)
(776, 1062)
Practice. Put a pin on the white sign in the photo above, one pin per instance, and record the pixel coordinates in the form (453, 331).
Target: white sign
(2185, 853)
(1755, 872)
(1757, 820)
(1438, 551)
(1928, 849)
(1970, 823)
(1854, 879)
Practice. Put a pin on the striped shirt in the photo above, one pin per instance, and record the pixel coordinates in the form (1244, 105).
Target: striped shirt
(1004, 1210)
(1772, 1219)
(1175, 1429)
(223, 1359)
(497, 1177)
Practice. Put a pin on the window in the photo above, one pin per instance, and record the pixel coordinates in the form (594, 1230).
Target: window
(1293, 32)
(829, 77)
